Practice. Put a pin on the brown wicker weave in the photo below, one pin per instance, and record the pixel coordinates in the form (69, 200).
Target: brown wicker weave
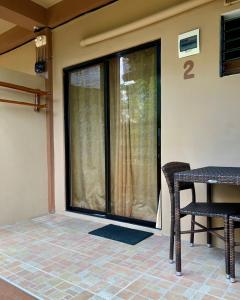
(209, 175)
(232, 219)
(212, 175)
(169, 170)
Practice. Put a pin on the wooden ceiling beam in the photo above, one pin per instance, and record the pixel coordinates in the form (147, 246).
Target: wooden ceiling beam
(14, 37)
(24, 13)
(67, 10)
(27, 14)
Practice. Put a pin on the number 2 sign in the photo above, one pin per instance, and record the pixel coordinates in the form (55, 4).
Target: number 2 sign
(188, 67)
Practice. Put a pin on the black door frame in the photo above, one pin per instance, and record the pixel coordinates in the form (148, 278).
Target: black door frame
(105, 60)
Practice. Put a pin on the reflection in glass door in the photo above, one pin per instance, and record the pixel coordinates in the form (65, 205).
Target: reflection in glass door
(86, 137)
(113, 135)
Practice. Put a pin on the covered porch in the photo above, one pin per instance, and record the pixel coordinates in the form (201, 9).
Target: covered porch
(95, 98)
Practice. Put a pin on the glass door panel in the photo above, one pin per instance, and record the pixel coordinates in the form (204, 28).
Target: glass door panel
(86, 138)
(133, 134)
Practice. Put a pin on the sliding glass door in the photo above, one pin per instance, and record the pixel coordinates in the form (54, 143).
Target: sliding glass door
(133, 128)
(113, 135)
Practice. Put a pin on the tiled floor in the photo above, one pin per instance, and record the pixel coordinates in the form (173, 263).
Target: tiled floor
(54, 258)
(10, 292)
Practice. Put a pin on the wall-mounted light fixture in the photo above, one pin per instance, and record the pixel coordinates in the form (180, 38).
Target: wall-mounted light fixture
(41, 43)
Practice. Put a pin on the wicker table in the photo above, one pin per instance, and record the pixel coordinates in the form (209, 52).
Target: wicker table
(208, 175)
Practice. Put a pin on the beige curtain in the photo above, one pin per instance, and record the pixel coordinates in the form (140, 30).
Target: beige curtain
(133, 104)
(86, 108)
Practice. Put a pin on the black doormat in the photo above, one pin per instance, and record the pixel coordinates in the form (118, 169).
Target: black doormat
(121, 234)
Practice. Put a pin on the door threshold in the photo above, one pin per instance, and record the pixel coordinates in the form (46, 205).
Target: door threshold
(107, 221)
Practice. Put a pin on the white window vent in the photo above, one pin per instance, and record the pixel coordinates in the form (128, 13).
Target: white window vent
(230, 2)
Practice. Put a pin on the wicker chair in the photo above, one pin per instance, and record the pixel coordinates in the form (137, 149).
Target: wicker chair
(218, 210)
(232, 220)
(168, 170)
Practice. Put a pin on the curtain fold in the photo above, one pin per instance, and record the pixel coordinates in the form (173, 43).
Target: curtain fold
(121, 174)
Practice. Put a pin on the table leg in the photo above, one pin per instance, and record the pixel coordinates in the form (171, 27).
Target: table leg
(227, 247)
(209, 220)
(177, 229)
(232, 250)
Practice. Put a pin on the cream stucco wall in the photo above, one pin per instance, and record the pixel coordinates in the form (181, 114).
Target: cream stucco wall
(23, 163)
(200, 122)
(21, 59)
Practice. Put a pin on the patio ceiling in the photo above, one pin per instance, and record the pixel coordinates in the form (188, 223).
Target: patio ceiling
(17, 18)
(5, 26)
(46, 3)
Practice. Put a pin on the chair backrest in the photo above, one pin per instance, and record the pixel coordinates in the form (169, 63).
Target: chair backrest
(170, 169)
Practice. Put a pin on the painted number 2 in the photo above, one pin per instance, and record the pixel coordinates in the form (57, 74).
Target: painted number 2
(188, 67)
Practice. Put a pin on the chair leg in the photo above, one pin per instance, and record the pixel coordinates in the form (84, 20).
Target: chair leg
(209, 220)
(227, 247)
(192, 233)
(171, 249)
(232, 250)
(178, 231)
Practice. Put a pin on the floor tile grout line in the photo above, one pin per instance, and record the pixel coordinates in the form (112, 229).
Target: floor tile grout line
(128, 285)
(148, 275)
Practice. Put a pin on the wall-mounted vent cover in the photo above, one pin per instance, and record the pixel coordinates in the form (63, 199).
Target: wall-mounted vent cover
(230, 2)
